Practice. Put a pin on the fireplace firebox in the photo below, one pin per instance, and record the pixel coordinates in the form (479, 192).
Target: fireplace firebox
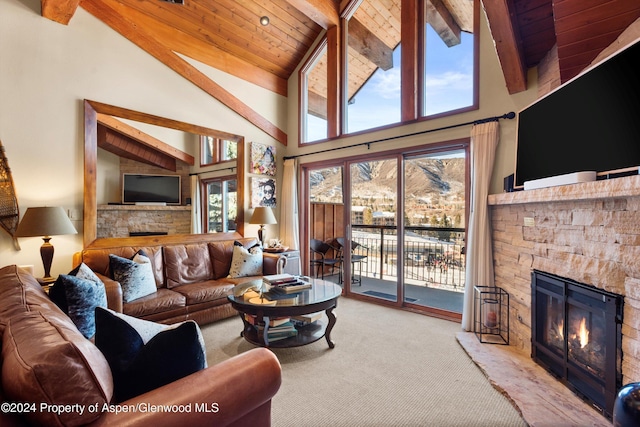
(576, 335)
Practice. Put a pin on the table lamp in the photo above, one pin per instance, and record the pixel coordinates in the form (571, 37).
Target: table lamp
(46, 222)
(262, 215)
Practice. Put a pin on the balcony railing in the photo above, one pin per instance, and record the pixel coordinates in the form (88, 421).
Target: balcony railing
(433, 256)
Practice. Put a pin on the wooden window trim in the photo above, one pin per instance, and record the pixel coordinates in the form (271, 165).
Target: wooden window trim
(412, 68)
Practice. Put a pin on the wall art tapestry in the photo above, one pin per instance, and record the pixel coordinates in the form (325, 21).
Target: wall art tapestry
(9, 211)
(263, 159)
(263, 192)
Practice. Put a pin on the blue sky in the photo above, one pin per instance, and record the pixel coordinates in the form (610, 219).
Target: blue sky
(449, 85)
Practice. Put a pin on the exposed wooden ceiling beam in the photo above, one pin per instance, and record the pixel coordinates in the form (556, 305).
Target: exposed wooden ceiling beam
(144, 139)
(322, 12)
(151, 119)
(368, 45)
(101, 10)
(200, 22)
(176, 39)
(506, 40)
(317, 105)
(60, 11)
(125, 147)
(439, 17)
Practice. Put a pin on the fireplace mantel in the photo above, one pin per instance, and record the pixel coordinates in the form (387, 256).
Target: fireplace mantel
(122, 220)
(628, 186)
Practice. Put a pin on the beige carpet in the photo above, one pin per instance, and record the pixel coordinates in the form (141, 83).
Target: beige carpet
(389, 368)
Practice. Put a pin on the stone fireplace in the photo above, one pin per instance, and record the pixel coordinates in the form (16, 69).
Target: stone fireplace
(589, 233)
(576, 336)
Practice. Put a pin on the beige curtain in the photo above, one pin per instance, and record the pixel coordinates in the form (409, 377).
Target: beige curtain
(289, 231)
(196, 214)
(479, 253)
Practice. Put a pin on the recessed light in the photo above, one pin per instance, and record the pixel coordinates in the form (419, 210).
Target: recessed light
(264, 20)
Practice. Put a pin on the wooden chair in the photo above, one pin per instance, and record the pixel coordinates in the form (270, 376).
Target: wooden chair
(319, 258)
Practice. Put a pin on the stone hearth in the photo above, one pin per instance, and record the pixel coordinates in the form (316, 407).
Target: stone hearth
(541, 399)
(588, 232)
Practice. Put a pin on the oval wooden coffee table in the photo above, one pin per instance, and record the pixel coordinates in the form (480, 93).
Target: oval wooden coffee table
(323, 296)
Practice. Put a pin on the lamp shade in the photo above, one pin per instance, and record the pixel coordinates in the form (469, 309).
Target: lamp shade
(263, 215)
(45, 221)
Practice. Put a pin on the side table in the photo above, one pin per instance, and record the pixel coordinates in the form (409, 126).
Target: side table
(293, 262)
(46, 282)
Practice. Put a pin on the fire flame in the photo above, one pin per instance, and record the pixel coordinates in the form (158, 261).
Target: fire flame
(561, 328)
(583, 333)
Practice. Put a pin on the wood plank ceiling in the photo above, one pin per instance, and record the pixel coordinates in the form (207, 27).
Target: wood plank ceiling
(228, 35)
(524, 31)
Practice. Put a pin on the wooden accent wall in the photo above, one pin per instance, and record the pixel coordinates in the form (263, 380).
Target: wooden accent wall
(549, 68)
(327, 221)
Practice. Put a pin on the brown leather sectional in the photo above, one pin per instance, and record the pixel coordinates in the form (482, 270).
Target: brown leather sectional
(53, 376)
(191, 278)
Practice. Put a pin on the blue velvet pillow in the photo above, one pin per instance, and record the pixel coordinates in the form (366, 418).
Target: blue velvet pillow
(135, 275)
(78, 294)
(146, 355)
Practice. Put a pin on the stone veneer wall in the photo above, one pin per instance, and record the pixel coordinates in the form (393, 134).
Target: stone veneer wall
(586, 232)
(120, 220)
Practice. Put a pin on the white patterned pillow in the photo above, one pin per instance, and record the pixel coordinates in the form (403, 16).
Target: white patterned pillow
(245, 262)
(135, 275)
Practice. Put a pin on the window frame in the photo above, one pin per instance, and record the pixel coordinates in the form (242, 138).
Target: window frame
(204, 203)
(413, 60)
(303, 101)
(217, 151)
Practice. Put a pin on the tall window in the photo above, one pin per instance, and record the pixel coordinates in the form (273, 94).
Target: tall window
(313, 76)
(220, 204)
(443, 53)
(449, 57)
(215, 150)
(373, 68)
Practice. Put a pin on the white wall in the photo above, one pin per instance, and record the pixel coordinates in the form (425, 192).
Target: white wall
(48, 69)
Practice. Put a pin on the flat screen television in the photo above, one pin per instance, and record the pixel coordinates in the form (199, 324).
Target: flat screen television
(141, 188)
(590, 123)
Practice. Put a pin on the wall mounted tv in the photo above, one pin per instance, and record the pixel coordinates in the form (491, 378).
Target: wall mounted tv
(591, 123)
(140, 188)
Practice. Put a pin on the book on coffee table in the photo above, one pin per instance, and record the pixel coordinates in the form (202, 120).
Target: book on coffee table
(290, 288)
(279, 279)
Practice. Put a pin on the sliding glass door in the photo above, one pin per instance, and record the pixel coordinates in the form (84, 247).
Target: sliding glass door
(395, 226)
(434, 229)
(371, 238)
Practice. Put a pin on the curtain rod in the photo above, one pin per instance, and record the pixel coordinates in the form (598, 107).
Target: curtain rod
(231, 168)
(509, 116)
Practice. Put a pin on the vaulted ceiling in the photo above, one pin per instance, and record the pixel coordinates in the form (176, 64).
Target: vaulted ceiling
(525, 30)
(228, 35)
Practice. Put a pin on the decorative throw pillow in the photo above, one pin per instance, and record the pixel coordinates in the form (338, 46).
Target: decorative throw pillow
(78, 294)
(245, 262)
(146, 355)
(135, 275)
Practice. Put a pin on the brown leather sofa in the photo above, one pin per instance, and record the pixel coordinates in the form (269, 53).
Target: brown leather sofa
(191, 277)
(53, 376)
